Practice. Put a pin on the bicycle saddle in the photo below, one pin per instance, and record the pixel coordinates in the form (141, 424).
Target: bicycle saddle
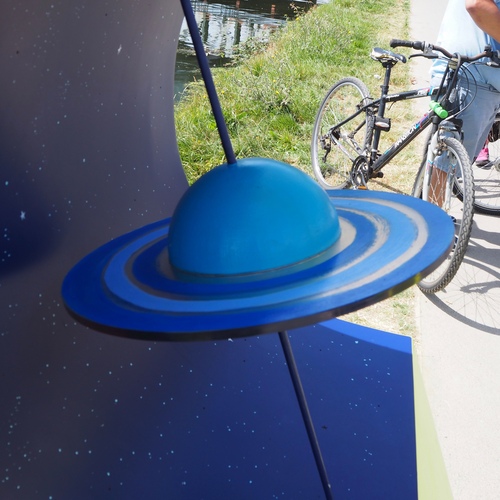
(385, 56)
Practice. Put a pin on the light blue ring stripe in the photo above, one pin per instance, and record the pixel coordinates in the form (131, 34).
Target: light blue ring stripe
(120, 285)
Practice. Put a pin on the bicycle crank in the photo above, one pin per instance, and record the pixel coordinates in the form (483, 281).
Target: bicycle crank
(361, 172)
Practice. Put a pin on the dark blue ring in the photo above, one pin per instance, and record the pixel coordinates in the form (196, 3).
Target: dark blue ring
(123, 288)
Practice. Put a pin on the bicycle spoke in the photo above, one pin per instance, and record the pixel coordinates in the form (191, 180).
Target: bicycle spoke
(487, 182)
(339, 133)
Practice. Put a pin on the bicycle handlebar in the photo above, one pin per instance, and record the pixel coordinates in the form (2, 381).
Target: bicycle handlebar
(429, 48)
(407, 43)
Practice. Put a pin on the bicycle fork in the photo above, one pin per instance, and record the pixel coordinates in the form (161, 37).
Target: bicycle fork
(436, 150)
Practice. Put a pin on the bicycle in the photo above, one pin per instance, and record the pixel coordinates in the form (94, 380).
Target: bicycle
(487, 177)
(346, 136)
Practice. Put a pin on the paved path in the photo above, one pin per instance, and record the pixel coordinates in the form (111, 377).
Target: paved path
(459, 339)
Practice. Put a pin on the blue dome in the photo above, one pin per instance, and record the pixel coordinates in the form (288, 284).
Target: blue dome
(252, 216)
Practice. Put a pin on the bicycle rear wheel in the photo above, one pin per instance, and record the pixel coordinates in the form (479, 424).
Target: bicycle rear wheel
(487, 177)
(446, 195)
(334, 147)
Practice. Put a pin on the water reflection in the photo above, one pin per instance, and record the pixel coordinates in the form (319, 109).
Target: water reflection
(225, 24)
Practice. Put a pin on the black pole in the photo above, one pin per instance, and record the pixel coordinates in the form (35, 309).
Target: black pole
(306, 415)
(209, 82)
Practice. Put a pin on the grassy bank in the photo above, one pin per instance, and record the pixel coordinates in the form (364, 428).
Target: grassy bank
(270, 101)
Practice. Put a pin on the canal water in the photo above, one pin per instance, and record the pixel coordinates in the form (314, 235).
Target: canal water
(225, 24)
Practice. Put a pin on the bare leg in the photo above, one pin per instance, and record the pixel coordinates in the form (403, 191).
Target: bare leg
(437, 188)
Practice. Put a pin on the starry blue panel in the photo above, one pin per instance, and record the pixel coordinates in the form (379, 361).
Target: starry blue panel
(88, 153)
(104, 417)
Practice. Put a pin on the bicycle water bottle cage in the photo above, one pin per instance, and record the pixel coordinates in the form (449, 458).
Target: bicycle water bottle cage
(386, 56)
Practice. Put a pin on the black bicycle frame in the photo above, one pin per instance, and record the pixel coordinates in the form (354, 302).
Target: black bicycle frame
(372, 139)
(409, 135)
(376, 162)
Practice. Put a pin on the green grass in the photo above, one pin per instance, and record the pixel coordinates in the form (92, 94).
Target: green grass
(270, 99)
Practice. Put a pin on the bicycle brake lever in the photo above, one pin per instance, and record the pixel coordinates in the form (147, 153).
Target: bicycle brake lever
(495, 59)
(429, 55)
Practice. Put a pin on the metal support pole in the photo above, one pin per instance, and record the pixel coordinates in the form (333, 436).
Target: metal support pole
(306, 415)
(209, 82)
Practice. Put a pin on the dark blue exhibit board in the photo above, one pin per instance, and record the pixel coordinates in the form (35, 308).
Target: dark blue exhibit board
(88, 153)
(92, 416)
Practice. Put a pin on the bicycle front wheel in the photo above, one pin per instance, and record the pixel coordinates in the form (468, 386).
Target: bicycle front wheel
(338, 136)
(446, 189)
(487, 177)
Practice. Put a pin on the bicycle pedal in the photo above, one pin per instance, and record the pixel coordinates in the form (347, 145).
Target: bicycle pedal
(485, 166)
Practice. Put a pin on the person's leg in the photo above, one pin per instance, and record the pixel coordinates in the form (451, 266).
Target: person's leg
(477, 119)
(437, 187)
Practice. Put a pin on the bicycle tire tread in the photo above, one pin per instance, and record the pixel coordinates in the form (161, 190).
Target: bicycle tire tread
(467, 218)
